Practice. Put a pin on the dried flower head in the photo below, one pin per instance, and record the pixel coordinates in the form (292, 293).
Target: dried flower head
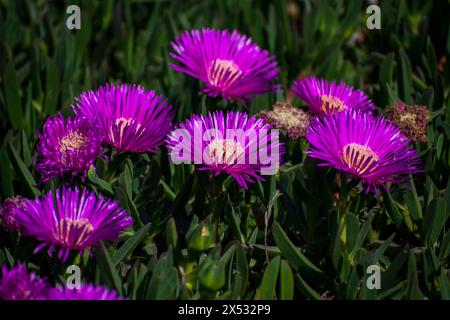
(7, 212)
(412, 120)
(284, 116)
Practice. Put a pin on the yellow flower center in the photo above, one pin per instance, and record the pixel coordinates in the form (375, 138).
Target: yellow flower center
(73, 232)
(225, 151)
(218, 68)
(330, 103)
(359, 158)
(72, 141)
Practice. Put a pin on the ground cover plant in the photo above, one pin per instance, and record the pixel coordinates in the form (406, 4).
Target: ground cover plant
(88, 124)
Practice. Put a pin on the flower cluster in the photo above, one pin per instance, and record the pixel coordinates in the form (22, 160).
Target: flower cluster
(125, 117)
(340, 128)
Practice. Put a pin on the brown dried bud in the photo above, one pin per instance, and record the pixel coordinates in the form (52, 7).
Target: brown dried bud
(412, 120)
(287, 117)
(7, 212)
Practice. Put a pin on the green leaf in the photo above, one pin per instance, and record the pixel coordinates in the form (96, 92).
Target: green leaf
(171, 233)
(436, 216)
(413, 291)
(26, 150)
(306, 289)
(182, 196)
(387, 69)
(286, 281)
(444, 285)
(242, 269)
(108, 268)
(431, 59)
(290, 252)
(5, 174)
(128, 247)
(269, 281)
(352, 226)
(381, 249)
(131, 206)
(98, 182)
(405, 77)
(439, 145)
(164, 281)
(392, 208)
(52, 86)
(22, 171)
(11, 90)
(234, 220)
(412, 201)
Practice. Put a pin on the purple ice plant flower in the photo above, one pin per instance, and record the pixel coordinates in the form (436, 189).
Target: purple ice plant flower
(230, 65)
(131, 118)
(323, 97)
(69, 146)
(72, 220)
(233, 143)
(85, 292)
(371, 148)
(19, 284)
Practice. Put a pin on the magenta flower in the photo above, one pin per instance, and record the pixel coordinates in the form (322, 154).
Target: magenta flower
(229, 64)
(7, 212)
(367, 147)
(67, 147)
(232, 143)
(85, 292)
(131, 118)
(19, 284)
(72, 219)
(323, 97)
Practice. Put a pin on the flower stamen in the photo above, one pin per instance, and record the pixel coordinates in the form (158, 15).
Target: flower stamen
(225, 151)
(359, 158)
(330, 103)
(223, 70)
(73, 232)
(73, 141)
